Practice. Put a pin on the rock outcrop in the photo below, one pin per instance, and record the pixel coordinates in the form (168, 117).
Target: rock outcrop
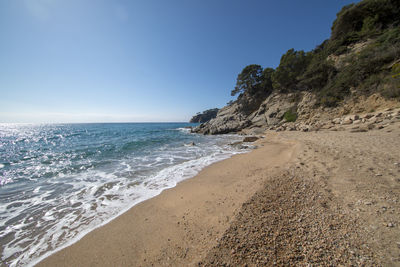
(270, 112)
(270, 115)
(229, 119)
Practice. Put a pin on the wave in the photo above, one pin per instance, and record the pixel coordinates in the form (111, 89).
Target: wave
(66, 190)
(140, 191)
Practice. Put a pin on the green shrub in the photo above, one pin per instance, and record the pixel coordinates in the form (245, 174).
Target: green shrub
(317, 73)
(392, 83)
(290, 116)
(390, 36)
(396, 70)
(391, 90)
(372, 83)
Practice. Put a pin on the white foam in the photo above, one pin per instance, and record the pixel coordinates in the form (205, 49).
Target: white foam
(185, 130)
(85, 218)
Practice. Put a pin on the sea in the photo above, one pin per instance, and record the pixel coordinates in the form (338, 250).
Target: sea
(60, 181)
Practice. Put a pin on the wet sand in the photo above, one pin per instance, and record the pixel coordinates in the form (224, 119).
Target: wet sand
(182, 224)
(301, 199)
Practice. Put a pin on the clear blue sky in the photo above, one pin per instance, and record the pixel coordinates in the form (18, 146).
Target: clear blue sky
(147, 60)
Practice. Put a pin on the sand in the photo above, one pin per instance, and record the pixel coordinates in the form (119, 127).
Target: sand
(322, 198)
(180, 225)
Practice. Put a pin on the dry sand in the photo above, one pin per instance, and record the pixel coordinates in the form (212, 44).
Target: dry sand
(180, 225)
(305, 199)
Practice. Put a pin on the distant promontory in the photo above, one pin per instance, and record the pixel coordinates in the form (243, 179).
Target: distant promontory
(204, 116)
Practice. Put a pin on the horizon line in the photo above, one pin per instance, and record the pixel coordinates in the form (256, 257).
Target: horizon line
(109, 122)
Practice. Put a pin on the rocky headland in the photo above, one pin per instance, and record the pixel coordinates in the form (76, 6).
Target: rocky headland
(204, 116)
(345, 80)
(361, 114)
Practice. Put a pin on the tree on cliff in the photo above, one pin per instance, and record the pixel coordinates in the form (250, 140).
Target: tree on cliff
(266, 83)
(292, 65)
(249, 80)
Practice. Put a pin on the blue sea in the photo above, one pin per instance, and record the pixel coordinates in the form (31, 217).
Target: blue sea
(60, 181)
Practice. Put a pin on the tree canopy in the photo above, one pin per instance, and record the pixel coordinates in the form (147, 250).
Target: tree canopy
(293, 64)
(249, 80)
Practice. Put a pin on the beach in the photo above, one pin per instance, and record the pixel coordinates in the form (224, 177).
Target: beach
(181, 224)
(326, 197)
(155, 133)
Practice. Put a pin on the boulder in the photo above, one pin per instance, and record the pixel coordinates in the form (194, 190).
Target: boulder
(367, 116)
(228, 120)
(349, 119)
(250, 139)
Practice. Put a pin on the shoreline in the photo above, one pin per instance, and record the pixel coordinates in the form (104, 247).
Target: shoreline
(205, 187)
(320, 198)
(138, 201)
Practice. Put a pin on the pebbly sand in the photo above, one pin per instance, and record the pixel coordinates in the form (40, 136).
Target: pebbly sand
(304, 199)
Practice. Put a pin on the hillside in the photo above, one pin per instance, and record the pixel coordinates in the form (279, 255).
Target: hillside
(357, 70)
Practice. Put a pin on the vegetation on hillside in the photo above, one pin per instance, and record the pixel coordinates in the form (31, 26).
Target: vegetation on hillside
(362, 56)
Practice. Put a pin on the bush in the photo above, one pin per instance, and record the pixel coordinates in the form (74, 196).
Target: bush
(290, 116)
(317, 73)
(333, 93)
(390, 36)
(391, 90)
(392, 85)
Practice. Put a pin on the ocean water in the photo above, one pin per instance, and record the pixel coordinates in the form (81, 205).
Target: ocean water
(60, 181)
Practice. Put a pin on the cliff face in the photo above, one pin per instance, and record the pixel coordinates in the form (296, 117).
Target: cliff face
(308, 117)
(268, 113)
(356, 70)
(204, 116)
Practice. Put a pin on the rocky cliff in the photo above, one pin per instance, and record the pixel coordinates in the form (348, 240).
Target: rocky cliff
(355, 112)
(356, 71)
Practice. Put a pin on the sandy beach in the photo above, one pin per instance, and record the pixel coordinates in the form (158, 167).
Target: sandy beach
(323, 198)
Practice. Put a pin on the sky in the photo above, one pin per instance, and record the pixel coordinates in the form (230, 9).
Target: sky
(142, 60)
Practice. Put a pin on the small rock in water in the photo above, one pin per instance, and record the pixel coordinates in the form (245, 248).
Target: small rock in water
(250, 139)
(190, 144)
